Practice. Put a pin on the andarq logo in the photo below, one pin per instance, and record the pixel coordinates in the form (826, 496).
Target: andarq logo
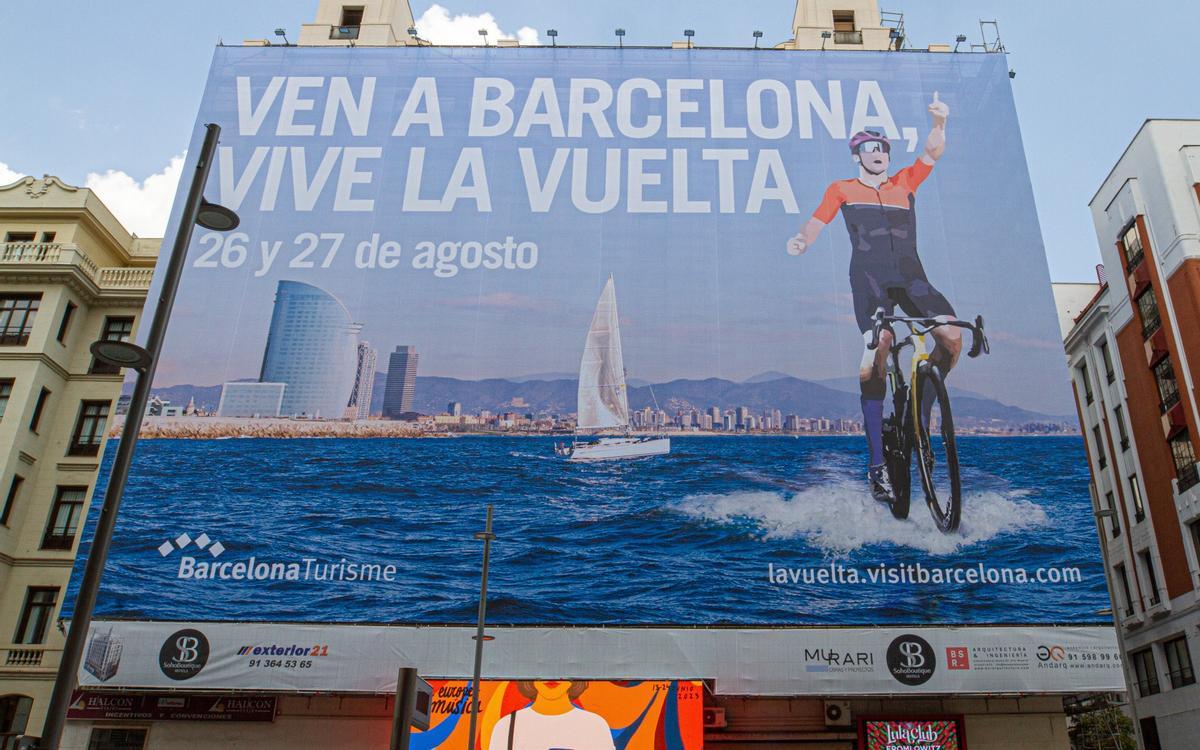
(198, 567)
(1051, 653)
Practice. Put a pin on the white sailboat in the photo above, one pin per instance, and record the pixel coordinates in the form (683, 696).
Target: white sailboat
(603, 401)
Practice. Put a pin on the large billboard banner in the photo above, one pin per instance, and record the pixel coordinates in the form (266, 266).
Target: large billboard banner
(725, 337)
(202, 656)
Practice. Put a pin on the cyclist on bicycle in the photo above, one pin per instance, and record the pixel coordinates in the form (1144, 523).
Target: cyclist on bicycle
(885, 270)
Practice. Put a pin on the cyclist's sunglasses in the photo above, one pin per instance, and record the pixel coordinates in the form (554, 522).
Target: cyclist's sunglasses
(872, 147)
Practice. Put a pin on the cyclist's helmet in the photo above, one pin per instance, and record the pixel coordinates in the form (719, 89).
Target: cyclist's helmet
(868, 136)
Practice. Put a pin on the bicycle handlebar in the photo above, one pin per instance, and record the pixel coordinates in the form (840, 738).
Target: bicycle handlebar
(979, 342)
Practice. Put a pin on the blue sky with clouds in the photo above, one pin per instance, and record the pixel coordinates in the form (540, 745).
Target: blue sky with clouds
(106, 93)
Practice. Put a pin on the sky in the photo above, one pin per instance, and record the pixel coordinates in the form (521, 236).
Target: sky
(105, 95)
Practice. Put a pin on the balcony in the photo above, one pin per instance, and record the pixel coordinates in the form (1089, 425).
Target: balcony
(54, 256)
(20, 657)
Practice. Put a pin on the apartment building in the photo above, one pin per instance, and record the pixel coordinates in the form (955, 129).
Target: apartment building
(1132, 349)
(70, 274)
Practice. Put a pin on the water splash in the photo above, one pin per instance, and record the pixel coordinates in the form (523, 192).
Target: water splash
(840, 518)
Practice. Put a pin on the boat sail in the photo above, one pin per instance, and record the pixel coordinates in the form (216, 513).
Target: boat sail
(603, 401)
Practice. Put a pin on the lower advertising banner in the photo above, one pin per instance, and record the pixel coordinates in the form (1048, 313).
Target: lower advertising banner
(738, 661)
(928, 733)
(115, 706)
(585, 715)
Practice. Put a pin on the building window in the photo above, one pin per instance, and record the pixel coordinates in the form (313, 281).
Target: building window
(1100, 458)
(10, 499)
(38, 407)
(66, 322)
(1179, 662)
(6, 386)
(117, 738)
(1168, 387)
(89, 428)
(19, 236)
(36, 615)
(1119, 418)
(64, 518)
(1148, 307)
(1106, 356)
(48, 236)
(1087, 383)
(1113, 522)
(352, 16)
(1195, 529)
(1139, 508)
(1131, 247)
(14, 716)
(1185, 461)
(1145, 671)
(17, 312)
(1127, 595)
(1151, 577)
(115, 329)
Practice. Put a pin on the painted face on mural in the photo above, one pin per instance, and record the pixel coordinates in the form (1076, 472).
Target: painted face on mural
(552, 689)
(873, 158)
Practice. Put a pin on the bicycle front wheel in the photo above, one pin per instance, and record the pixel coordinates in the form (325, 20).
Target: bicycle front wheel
(937, 453)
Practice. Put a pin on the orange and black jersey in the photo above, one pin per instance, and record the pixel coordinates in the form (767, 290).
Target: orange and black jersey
(885, 269)
(880, 220)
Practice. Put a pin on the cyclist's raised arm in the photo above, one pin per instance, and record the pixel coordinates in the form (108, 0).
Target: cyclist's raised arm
(935, 143)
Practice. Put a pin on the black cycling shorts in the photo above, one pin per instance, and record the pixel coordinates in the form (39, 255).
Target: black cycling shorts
(915, 296)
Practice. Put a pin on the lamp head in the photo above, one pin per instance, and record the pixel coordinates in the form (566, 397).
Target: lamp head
(689, 33)
(121, 354)
(280, 32)
(216, 217)
(826, 34)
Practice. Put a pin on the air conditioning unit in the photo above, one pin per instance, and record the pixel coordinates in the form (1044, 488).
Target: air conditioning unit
(714, 718)
(837, 713)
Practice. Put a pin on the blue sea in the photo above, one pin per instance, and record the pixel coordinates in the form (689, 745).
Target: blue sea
(693, 538)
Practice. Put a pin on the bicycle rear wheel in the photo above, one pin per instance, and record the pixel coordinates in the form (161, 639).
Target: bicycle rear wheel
(937, 452)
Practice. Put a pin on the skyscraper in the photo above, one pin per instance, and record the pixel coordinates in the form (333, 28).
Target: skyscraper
(359, 406)
(401, 382)
(311, 347)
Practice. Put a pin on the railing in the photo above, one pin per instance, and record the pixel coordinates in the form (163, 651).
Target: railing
(126, 278)
(54, 253)
(847, 37)
(24, 657)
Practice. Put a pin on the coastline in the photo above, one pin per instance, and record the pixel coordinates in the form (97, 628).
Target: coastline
(220, 428)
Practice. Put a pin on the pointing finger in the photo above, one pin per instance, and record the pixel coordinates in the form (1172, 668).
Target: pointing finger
(935, 97)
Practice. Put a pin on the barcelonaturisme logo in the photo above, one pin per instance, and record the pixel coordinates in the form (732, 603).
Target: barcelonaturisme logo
(204, 565)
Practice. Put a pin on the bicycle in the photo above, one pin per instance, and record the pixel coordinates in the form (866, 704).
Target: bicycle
(904, 430)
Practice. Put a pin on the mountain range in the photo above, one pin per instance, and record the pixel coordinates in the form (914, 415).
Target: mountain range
(835, 398)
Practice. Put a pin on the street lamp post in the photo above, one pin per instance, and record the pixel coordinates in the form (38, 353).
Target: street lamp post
(196, 210)
(486, 536)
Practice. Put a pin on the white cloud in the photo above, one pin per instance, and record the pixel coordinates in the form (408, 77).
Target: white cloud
(8, 176)
(436, 25)
(143, 206)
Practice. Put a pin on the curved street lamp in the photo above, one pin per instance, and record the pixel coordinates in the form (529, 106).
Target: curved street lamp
(143, 360)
